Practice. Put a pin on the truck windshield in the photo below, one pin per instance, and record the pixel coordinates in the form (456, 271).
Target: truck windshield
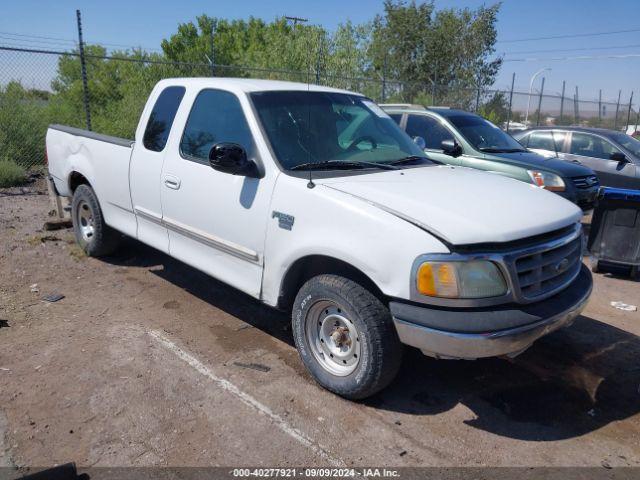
(329, 128)
(484, 135)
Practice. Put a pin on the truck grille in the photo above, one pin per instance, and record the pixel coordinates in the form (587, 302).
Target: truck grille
(548, 270)
(587, 181)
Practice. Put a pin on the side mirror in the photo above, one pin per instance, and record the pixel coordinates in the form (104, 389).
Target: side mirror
(231, 158)
(619, 157)
(420, 142)
(450, 147)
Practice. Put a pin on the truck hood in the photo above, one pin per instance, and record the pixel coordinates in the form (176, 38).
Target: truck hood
(531, 160)
(460, 205)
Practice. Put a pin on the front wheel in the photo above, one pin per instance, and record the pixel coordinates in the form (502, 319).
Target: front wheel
(345, 337)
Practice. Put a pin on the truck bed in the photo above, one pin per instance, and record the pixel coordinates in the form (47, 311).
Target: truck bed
(102, 160)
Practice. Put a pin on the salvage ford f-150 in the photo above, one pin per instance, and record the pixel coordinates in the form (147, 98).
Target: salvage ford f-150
(313, 200)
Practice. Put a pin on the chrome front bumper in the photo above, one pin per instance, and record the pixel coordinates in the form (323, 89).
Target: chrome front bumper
(416, 325)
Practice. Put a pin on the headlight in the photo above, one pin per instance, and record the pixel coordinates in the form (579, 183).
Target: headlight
(472, 279)
(546, 180)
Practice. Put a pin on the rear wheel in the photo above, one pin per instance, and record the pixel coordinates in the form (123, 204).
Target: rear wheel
(345, 337)
(94, 236)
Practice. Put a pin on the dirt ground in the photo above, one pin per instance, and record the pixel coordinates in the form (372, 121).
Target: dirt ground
(147, 361)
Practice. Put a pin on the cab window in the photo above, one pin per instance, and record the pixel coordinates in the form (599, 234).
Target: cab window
(161, 118)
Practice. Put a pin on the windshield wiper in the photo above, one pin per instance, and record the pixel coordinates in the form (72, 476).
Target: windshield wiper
(501, 150)
(340, 164)
(411, 159)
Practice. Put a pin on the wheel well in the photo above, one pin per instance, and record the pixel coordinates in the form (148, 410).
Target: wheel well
(308, 267)
(76, 179)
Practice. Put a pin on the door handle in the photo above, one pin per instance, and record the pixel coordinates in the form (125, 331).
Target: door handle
(172, 182)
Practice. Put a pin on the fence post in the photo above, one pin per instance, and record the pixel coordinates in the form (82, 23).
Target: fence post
(384, 77)
(600, 108)
(629, 111)
(477, 96)
(564, 84)
(212, 60)
(83, 67)
(576, 110)
(615, 120)
(434, 87)
(540, 103)
(319, 61)
(513, 81)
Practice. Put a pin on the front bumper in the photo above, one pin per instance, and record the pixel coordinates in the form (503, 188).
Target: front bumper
(489, 332)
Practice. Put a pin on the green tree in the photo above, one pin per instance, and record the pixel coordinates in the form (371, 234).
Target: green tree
(495, 109)
(450, 47)
(23, 121)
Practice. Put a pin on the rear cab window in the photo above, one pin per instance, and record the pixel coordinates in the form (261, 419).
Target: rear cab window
(161, 118)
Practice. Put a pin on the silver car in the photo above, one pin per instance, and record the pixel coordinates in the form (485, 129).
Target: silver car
(614, 156)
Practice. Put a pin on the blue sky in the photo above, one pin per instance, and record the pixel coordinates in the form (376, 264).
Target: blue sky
(145, 23)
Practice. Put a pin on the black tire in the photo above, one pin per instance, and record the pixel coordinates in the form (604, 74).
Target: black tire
(103, 240)
(634, 273)
(379, 347)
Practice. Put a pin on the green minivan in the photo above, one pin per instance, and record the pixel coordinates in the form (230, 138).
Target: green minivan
(457, 137)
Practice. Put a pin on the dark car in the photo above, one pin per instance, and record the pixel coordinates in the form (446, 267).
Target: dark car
(457, 137)
(614, 156)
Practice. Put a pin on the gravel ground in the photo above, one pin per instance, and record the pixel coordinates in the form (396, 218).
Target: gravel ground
(147, 361)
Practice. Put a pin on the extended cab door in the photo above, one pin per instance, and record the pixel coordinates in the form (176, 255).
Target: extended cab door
(146, 164)
(217, 221)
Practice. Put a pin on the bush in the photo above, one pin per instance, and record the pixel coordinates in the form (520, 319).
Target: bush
(11, 174)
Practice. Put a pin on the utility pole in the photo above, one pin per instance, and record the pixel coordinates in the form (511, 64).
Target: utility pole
(296, 20)
(83, 68)
(533, 78)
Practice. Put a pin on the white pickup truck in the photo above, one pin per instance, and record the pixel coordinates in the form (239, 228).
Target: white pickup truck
(312, 200)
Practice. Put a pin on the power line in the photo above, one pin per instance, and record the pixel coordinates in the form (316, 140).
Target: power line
(38, 42)
(582, 57)
(573, 35)
(38, 36)
(49, 41)
(572, 49)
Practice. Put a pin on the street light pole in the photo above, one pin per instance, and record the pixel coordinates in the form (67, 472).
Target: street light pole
(533, 78)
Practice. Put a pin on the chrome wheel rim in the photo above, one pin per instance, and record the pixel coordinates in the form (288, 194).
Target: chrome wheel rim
(333, 338)
(85, 221)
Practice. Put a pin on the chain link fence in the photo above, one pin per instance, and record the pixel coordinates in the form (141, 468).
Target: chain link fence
(39, 87)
